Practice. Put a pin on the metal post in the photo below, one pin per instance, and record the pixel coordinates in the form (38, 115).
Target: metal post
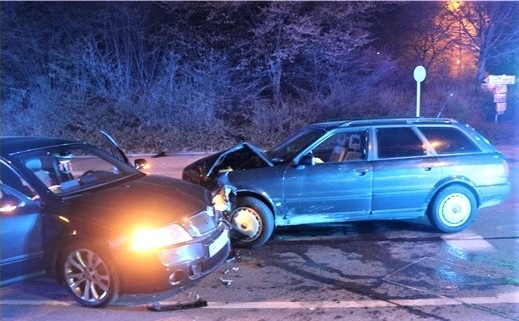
(417, 99)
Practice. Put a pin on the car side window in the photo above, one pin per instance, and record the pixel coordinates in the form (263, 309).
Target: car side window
(448, 140)
(395, 142)
(343, 146)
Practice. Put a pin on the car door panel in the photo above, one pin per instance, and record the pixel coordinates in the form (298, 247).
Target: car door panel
(330, 192)
(401, 187)
(20, 224)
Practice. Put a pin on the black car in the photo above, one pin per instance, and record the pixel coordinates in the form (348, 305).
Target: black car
(358, 170)
(99, 225)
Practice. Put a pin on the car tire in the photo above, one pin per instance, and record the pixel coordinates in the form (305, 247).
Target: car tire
(88, 276)
(254, 222)
(453, 209)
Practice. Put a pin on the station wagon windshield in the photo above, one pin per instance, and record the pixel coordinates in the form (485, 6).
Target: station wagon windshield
(292, 146)
(73, 168)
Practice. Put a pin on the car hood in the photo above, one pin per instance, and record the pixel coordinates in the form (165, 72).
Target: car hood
(150, 200)
(242, 156)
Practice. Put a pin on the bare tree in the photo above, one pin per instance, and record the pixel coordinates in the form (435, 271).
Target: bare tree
(285, 34)
(490, 30)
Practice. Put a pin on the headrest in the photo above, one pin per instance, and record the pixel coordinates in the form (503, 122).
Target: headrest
(33, 164)
(341, 139)
(354, 143)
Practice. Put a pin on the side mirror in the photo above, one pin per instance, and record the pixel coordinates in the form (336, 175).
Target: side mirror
(141, 164)
(308, 160)
(9, 203)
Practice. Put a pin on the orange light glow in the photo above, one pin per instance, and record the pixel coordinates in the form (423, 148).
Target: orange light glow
(454, 5)
(7, 208)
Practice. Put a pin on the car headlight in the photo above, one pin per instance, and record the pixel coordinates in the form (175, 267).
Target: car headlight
(147, 239)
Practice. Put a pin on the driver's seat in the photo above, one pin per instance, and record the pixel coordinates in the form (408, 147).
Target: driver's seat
(35, 165)
(340, 150)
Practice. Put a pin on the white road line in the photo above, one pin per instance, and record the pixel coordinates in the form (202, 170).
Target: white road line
(503, 298)
(469, 242)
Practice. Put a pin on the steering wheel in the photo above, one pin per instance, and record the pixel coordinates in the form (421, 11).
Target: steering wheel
(85, 174)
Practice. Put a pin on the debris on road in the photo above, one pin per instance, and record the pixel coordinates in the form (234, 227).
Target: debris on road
(158, 307)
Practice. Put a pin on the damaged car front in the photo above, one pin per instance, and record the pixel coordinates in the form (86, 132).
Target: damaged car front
(257, 176)
(207, 170)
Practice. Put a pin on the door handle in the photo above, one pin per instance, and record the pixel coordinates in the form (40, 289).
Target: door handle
(360, 171)
(427, 169)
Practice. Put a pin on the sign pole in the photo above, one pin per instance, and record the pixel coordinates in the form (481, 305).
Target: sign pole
(419, 75)
(418, 90)
(497, 85)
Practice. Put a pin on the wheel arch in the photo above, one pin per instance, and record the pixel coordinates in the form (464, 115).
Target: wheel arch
(60, 245)
(453, 181)
(260, 196)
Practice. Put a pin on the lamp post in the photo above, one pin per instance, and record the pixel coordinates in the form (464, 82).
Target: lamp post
(419, 75)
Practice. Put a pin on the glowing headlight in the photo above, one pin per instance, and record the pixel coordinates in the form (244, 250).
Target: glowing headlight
(146, 239)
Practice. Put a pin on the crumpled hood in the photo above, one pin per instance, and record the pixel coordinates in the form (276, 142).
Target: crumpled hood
(205, 171)
(149, 200)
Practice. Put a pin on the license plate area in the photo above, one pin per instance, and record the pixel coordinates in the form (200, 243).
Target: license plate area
(219, 243)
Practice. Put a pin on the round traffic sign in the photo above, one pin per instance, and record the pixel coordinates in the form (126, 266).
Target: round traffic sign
(419, 73)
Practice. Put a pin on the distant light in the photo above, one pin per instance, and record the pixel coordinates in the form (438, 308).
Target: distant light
(7, 208)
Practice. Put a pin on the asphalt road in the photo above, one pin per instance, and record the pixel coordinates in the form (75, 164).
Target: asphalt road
(353, 271)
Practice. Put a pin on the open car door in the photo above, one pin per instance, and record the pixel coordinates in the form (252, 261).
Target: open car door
(119, 154)
(116, 151)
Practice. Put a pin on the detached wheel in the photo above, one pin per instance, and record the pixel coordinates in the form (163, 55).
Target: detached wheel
(89, 277)
(254, 222)
(453, 209)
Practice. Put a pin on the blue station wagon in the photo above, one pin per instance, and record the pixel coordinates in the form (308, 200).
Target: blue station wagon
(359, 170)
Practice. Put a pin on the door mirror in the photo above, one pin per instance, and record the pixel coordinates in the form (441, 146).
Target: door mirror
(9, 203)
(308, 160)
(141, 164)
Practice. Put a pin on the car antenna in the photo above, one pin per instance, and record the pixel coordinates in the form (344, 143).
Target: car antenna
(443, 107)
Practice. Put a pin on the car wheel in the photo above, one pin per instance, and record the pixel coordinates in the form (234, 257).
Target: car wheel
(88, 276)
(253, 220)
(453, 209)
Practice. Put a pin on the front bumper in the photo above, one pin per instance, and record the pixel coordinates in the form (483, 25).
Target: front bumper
(173, 268)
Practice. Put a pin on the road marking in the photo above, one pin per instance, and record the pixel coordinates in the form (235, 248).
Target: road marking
(469, 242)
(502, 298)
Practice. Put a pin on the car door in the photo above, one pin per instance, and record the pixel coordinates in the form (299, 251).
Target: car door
(115, 150)
(21, 245)
(326, 185)
(404, 173)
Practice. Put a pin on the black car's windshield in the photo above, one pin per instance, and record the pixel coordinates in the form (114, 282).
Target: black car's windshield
(292, 146)
(72, 168)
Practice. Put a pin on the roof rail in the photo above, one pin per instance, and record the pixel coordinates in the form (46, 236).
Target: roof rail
(395, 121)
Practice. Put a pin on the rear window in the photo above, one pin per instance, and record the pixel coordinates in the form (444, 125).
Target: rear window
(448, 140)
(399, 142)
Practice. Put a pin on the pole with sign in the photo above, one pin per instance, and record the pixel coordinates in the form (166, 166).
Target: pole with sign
(497, 86)
(419, 76)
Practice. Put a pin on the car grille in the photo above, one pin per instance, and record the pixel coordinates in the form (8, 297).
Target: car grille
(202, 223)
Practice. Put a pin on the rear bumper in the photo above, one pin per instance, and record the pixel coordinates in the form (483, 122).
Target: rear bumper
(493, 195)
